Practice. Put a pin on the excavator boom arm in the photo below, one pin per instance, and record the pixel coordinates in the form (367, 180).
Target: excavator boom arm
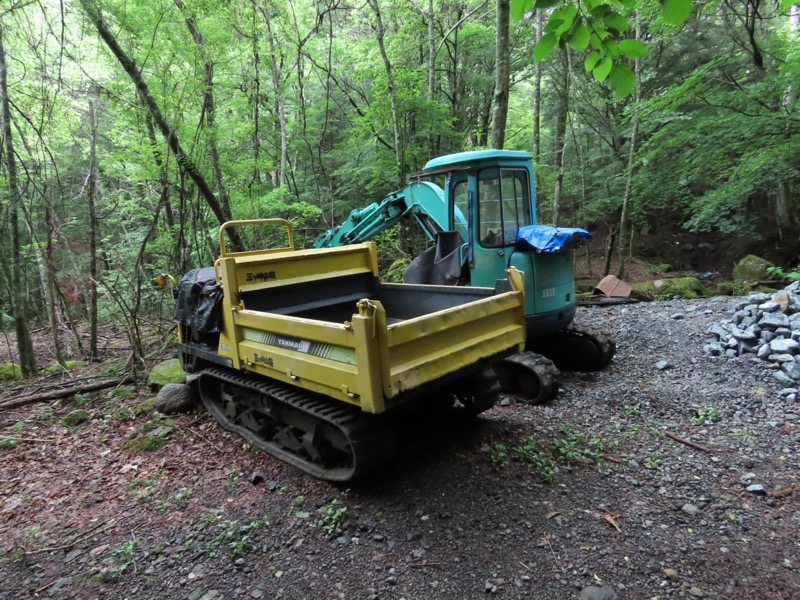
(423, 200)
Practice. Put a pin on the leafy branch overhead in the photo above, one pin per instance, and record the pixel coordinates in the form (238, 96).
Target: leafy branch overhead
(599, 30)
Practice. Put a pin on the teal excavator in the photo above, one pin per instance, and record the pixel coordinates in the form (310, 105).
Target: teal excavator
(481, 223)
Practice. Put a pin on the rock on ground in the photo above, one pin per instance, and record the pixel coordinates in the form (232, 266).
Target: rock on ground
(175, 398)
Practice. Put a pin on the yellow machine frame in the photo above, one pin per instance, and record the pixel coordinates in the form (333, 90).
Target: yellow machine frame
(364, 361)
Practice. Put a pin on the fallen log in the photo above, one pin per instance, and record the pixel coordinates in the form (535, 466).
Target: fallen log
(65, 392)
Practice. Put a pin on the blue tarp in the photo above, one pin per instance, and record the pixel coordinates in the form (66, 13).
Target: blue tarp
(552, 239)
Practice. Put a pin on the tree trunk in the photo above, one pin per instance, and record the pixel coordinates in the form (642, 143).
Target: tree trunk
(208, 108)
(184, 160)
(560, 141)
(537, 107)
(624, 216)
(27, 360)
(256, 99)
(52, 310)
(398, 150)
(502, 74)
(94, 226)
(279, 99)
(609, 249)
(430, 22)
(179, 247)
(785, 203)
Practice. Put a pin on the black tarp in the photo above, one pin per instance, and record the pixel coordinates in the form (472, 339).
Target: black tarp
(198, 300)
(441, 264)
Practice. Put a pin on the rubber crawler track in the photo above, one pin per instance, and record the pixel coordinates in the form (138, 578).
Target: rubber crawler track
(603, 339)
(530, 376)
(368, 440)
(479, 392)
(576, 348)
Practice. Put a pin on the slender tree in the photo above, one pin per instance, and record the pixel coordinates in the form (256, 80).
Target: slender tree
(624, 218)
(208, 106)
(502, 74)
(51, 286)
(380, 34)
(560, 137)
(27, 359)
(537, 105)
(94, 226)
(277, 90)
(170, 135)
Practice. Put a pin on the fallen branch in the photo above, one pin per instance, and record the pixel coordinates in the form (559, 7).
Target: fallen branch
(787, 491)
(206, 440)
(15, 439)
(105, 525)
(612, 458)
(687, 442)
(65, 392)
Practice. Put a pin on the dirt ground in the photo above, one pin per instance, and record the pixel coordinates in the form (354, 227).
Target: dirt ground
(588, 494)
(631, 484)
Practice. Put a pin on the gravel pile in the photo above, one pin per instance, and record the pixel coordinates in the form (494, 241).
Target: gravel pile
(764, 325)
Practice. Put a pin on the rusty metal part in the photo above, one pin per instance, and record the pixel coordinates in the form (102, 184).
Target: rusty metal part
(613, 288)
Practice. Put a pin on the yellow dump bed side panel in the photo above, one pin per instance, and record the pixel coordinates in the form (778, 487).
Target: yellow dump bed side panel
(253, 273)
(429, 347)
(362, 361)
(315, 355)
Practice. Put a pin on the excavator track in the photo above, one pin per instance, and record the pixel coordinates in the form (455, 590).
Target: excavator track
(577, 348)
(326, 439)
(529, 376)
(479, 392)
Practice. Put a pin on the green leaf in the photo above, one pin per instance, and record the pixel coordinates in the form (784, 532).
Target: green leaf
(676, 11)
(616, 22)
(610, 48)
(553, 23)
(590, 62)
(519, 8)
(544, 3)
(570, 12)
(544, 47)
(600, 11)
(633, 48)
(579, 40)
(561, 20)
(785, 5)
(622, 80)
(595, 38)
(603, 68)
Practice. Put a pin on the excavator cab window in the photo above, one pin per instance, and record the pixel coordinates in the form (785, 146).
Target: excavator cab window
(460, 198)
(503, 205)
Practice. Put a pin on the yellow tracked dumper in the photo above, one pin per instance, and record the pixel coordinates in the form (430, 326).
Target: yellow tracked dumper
(303, 352)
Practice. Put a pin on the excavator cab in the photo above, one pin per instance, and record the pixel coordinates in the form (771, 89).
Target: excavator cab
(483, 221)
(491, 205)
